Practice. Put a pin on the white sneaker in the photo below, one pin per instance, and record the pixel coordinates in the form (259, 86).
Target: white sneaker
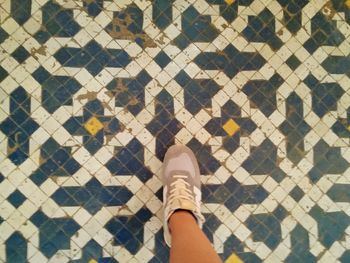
(182, 185)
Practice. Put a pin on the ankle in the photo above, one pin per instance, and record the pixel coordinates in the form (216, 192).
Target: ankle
(181, 218)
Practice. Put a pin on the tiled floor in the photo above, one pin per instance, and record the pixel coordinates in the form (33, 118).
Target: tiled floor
(93, 92)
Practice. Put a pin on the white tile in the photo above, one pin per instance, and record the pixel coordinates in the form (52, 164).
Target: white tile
(83, 76)
(279, 193)
(103, 236)
(82, 176)
(9, 64)
(193, 126)
(14, 179)
(223, 232)
(134, 184)
(242, 213)
(48, 206)
(154, 204)
(92, 226)
(92, 165)
(38, 257)
(306, 203)
(171, 31)
(49, 187)
(16, 219)
(38, 197)
(103, 155)
(163, 78)
(242, 232)
(153, 69)
(134, 204)
(81, 237)
(317, 249)
(144, 193)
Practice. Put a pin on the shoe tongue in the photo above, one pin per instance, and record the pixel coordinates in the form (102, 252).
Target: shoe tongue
(185, 204)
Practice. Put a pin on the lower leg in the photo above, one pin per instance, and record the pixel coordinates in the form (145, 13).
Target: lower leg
(188, 242)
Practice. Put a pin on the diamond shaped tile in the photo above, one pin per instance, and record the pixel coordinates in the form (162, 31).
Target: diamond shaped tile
(231, 127)
(93, 125)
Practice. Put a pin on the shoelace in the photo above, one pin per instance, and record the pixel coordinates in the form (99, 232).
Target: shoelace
(179, 189)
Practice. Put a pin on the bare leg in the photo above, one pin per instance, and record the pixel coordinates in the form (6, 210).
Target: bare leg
(188, 242)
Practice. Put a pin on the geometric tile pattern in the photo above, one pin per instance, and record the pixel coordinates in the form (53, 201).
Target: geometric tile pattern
(93, 92)
(18, 126)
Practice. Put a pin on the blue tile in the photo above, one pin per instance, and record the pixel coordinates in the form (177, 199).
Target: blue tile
(165, 122)
(53, 15)
(327, 160)
(337, 64)
(16, 198)
(38, 177)
(48, 248)
(162, 59)
(162, 14)
(128, 23)
(51, 236)
(19, 126)
(195, 28)
(56, 90)
(3, 35)
(128, 230)
(265, 228)
(75, 125)
(21, 10)
(63, 56)
(339, 193)
(214, 127)
(129, 93)
(207, 163)
(230, 12)
(324, 95)
(16, 248)
(93, 197)
(263, 159)
(293, 62)
(324, 32)
(261, 28)
(234, 244)
(331, 225)
(41, 75)
(297, 193)
(340, 6)
(86, 57)
(295, 128)
(3, 73)
(49, 166)
(345, 257)
(20, 54)
(230, 61)
(198, 92)
(93, 8)
(210, 225)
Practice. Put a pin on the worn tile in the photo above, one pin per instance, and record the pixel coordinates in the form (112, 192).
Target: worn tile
(93, 93)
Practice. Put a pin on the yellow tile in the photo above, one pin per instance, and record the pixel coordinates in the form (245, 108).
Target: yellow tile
(93, 125)
(231, 127)
(92, 261)
(347, 3)
(230, 2)
(348, 128)
(234, 259)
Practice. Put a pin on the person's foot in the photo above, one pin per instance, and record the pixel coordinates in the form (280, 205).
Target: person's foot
(182, 185)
